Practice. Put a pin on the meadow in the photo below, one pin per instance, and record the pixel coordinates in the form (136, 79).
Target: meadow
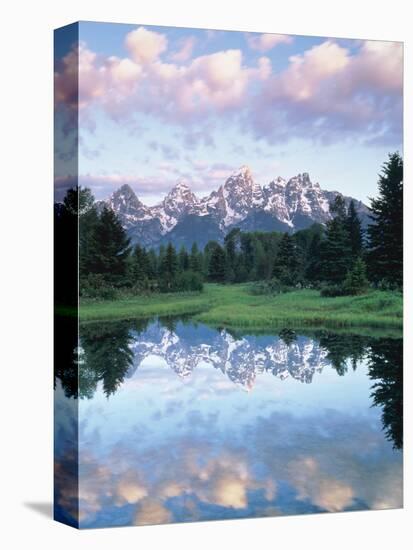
(234, 306)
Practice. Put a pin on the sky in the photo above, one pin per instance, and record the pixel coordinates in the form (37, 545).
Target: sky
(158, 105)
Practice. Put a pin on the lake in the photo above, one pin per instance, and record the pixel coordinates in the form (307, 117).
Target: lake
(177, 421)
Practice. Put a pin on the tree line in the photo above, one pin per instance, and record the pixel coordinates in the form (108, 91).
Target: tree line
(107, 358)
(340, 257)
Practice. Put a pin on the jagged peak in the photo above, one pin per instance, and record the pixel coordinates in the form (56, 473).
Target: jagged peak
(243, 170)
(126, 195)
(276, 182)
(125, 189)
(181, 185)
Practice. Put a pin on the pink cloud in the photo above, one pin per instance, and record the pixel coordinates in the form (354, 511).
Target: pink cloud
(266, 42)
(185, 51)
(328, 92)
(145, 46)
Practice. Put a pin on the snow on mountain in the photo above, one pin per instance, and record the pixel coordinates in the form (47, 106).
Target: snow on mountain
(128, 207)
(291, 205)
(242, 360)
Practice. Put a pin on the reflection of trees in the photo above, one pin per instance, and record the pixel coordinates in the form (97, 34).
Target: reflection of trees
(343, 347)
(65, 354)
(288, 336)
(386, 367)
(105, 356)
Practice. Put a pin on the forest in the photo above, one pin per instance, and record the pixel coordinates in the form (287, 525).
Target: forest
(338, 259)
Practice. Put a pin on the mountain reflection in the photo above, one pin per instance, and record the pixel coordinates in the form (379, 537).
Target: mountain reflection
(109, 353)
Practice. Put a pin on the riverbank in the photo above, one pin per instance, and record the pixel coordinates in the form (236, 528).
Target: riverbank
(233, 306)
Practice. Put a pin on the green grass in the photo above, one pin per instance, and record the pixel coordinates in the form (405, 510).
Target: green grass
(141, 307)
(233, 306)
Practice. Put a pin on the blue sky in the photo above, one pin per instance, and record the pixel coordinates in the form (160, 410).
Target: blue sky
(162, 104)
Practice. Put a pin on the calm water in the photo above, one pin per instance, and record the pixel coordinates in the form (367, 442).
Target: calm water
(181, 422)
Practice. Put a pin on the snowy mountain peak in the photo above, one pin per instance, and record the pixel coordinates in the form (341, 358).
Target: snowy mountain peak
(127, 205)
(282, 205)
(243, 170)
(182, 191)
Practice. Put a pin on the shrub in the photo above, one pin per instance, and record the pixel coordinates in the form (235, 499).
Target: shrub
(387, 285)
(269, 287)
(330, 291)
(356, 280)
(95, 286)
(188, 281)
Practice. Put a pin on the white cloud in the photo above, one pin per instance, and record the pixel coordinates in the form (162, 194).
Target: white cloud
(266, 42)
(145, 46)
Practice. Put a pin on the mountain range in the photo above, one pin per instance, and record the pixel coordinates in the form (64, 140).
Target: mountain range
(182, 218)
(240, 359)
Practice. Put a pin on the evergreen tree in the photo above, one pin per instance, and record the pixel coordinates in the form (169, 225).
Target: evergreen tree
(152, 264)
(195, 259)
(141, 264)
(161, 256)
(183, 259)
(385, 234)
(217, 264)
(355, 233)
(356, 280)
(286, 261)
(335, 251)
(169, 268)
(260, 271)
(247, 251)
(313, 261)
(230, 244)
(112, 248)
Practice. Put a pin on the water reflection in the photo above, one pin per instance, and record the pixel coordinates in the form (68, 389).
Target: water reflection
(182, 422)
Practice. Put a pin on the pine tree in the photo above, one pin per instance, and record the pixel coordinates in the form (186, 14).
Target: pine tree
(260, 261)
(286, 261)
(161, 256)
(169, 268)
(183, 259)
(335, 250)
(231, 242)
(355, 233)
(152, 264)
(112, 248)
(141, 265)
(195, 259)
(313, 262)
(217, 264)
(385, 234)
(88, 224)
(247, 251)
(356, 280)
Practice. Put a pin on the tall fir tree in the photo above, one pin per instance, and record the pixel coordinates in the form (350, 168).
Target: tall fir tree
(195, 259)
(385, 233)
(169, 268)
(335, 250)
(286, 263)
(355, 233)
(231, 242)
(313, 259)
(88, 225)
(217, 264)
(141, 264)
(112, 248)
(183, 259)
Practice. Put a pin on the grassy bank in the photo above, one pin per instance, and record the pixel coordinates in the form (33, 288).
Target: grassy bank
(233, 306)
